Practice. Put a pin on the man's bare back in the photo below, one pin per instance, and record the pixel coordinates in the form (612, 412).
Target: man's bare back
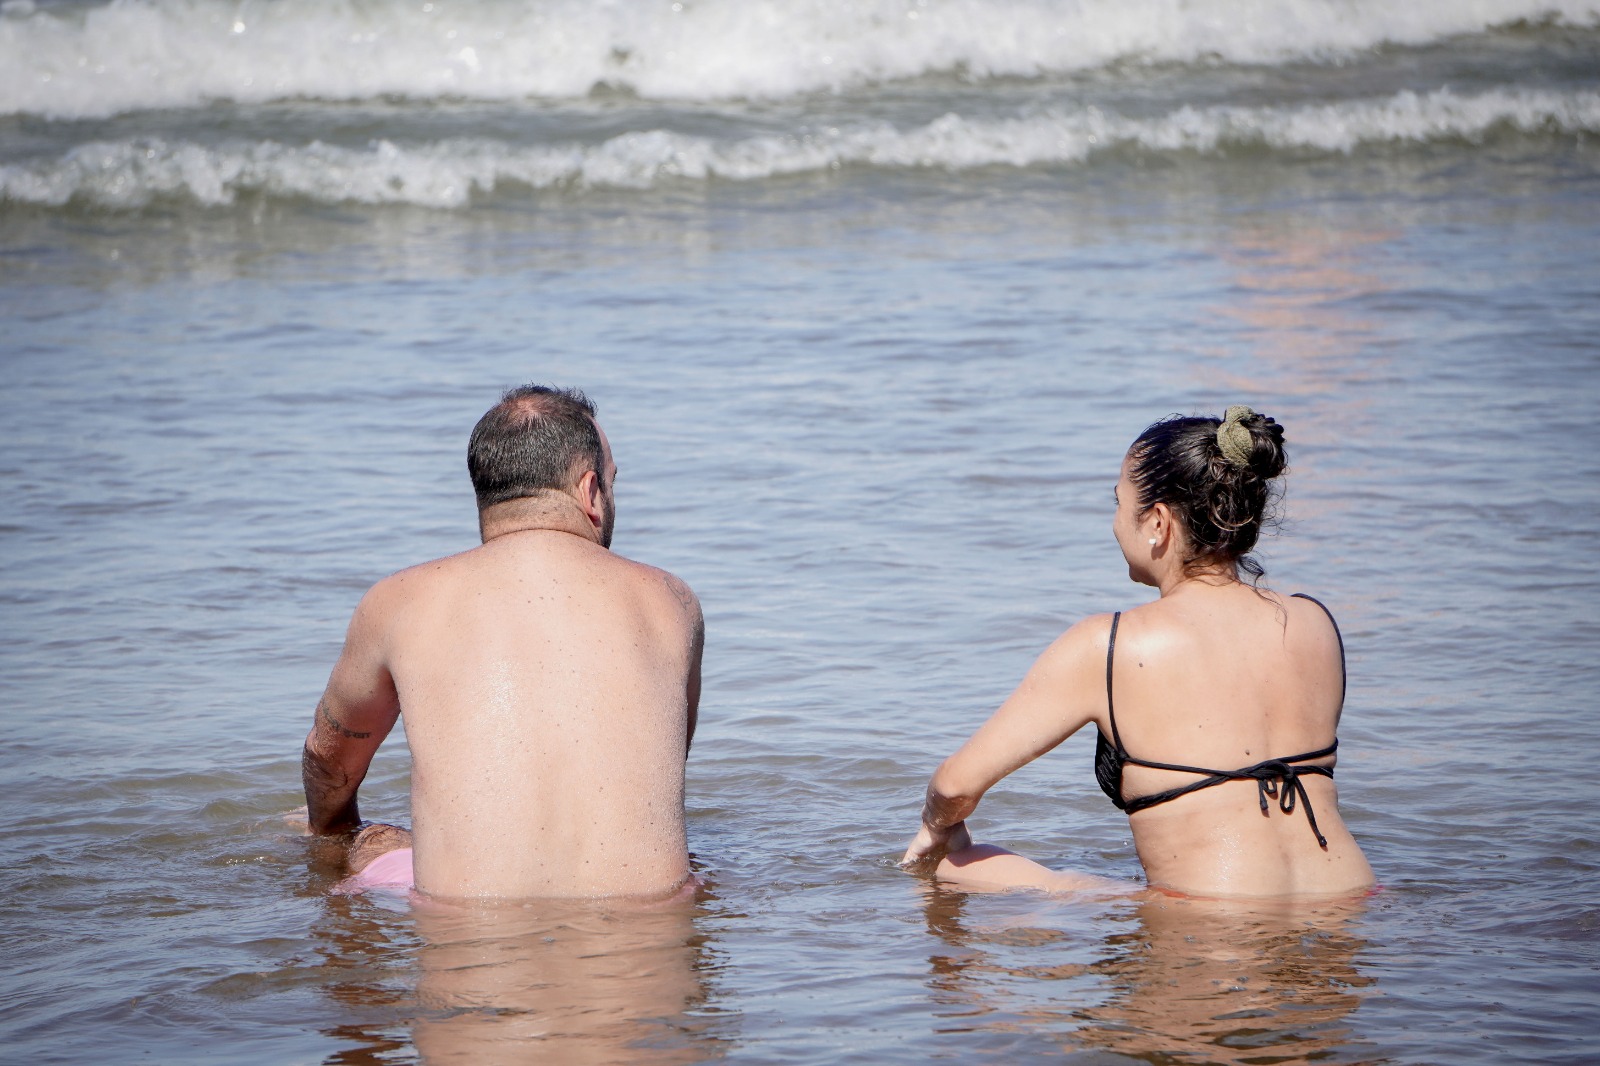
(549, 689)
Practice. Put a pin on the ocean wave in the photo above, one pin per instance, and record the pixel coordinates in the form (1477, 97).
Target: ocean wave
(130, 174)
(100, 59)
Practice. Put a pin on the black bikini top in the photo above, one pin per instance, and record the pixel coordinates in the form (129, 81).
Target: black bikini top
(1277, 779)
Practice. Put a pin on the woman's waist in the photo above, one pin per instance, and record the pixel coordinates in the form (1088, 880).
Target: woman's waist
(1220, 842)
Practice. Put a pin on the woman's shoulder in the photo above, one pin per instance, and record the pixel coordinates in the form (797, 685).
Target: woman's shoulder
(1160, 617)
(1093, 630)
(1313, 606)
(1318, 629)
(1243, 611)
(1082, 644)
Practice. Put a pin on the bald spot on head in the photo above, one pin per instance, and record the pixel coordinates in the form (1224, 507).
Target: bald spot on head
(536, 440)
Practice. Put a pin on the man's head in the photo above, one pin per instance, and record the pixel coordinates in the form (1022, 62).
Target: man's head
(538, 440)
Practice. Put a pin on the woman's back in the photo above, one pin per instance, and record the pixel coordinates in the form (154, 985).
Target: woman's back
(1220, 700)
(1224, 678)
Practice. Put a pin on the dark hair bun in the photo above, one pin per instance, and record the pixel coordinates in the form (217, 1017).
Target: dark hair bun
(1216, 476)
(1267, 458)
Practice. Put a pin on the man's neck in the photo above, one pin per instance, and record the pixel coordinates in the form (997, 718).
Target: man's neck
(554, 512)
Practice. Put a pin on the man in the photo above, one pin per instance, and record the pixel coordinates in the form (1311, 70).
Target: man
(549, 687)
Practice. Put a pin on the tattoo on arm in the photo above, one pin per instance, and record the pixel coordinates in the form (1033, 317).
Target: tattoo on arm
(331, 806)
(685, 597)
(691, 604)
(334, 723)
(319, 775)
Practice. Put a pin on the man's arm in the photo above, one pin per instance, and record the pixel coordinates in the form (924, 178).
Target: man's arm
(697, 647)
(695, 655)
(357, 710)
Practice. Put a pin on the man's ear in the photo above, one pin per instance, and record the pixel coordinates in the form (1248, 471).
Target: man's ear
(587, 493)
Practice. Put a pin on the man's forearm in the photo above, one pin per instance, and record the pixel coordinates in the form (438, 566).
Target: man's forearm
(330, 795)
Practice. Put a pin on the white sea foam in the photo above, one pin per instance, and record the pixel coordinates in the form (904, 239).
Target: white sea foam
(128, 174)
(99, 60)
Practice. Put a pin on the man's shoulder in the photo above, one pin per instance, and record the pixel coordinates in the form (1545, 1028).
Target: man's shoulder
(411, 581)
(685, 596)
(665, 580)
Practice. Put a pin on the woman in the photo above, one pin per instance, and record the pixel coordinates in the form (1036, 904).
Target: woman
(1217, 704)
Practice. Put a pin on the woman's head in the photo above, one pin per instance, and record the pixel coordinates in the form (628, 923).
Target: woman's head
(1215, 477)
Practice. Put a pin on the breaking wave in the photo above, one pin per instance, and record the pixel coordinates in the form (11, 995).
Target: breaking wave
(128, 174)
(92, 60)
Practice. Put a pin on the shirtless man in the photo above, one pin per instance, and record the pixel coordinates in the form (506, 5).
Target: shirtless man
(549, 687)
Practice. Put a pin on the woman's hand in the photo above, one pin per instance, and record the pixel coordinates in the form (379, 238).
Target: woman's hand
(930, 846)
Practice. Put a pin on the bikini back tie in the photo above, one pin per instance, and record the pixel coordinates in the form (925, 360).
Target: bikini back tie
(1276, 779)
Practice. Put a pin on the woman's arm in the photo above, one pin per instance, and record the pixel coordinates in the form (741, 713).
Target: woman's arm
(1062, 692)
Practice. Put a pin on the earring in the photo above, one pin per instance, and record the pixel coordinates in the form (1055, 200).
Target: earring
(1152, 540)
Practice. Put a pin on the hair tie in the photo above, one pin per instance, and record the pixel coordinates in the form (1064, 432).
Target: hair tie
(1233, 437)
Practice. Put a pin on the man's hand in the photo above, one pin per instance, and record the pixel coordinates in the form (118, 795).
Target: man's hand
(930, 846)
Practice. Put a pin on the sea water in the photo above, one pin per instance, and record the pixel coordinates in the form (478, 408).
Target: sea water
(871, 296)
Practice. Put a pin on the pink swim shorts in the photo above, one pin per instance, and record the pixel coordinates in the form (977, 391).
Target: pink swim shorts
(390, 871)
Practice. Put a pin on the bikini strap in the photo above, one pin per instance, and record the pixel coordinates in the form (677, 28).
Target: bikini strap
(1111, 710)
(1343, 677)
